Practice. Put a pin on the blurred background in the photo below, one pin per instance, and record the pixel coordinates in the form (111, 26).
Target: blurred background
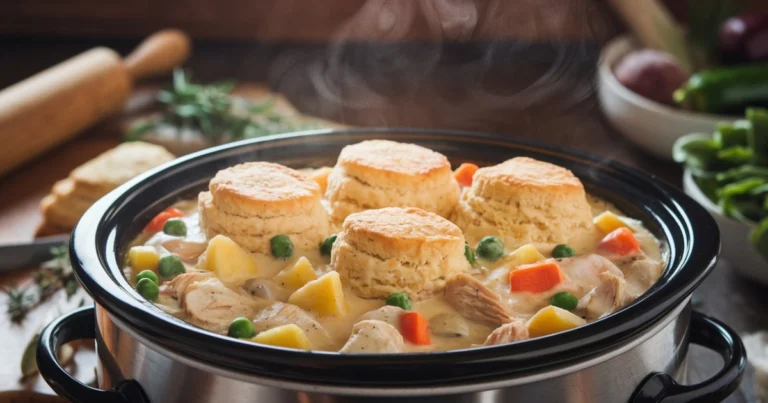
(545, 70)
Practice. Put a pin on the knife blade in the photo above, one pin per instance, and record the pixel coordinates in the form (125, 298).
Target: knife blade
(29, 254)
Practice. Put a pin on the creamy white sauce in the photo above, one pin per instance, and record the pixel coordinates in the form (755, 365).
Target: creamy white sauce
(493, 275)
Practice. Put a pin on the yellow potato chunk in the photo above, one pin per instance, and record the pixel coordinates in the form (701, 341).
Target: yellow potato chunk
(526, 254)
(143, 258)
(323, 296)
(552, 320)
(608, 222)
(290, 336)
(297, 275)
(321, 177)
(231, 263)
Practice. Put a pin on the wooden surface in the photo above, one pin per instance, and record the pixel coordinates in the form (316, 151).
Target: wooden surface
(542, 91)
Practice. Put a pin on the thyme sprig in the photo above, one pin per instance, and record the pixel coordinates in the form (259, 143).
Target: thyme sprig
(214, 113)
(53, 276)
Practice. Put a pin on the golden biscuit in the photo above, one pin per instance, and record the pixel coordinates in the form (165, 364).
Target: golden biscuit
(71, 197)
(380, 252)
(118, 165)
(522, 201)
(253, 202)
(263, 187)
(380, 173)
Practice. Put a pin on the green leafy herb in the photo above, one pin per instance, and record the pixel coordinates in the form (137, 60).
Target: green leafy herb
(213, 112)
(53, 276)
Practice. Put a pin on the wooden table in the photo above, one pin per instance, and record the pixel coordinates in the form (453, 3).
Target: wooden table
(535, 91)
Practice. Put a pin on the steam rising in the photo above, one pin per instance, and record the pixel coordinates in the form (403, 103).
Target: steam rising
(543, 68)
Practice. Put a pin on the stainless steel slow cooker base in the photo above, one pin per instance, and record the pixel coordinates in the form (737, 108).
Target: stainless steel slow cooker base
(167, 377)
(635, 354)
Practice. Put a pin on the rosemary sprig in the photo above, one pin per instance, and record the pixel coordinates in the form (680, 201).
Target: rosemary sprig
(213, 112)
(53, 276)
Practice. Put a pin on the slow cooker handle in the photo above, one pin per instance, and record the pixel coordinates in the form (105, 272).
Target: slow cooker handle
(714, 335)
(76, 325)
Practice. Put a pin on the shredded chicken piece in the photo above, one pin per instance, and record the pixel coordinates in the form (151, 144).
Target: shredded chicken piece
(609, 296)
(641, 271)
(508, 333)
(584, 270)
(388, 314)
(211, 305)
(279, 314)
(186, 250)
(473, 300)
(373, 337)
(175, 288)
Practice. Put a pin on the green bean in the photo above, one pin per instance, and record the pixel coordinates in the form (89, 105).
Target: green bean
(731, 169)
(696, 150)
(733, 134)
(758, 136)
(735, 155)
(740, 188)
(760, 190)
(742, 210)
(709, 186)
(742, 172)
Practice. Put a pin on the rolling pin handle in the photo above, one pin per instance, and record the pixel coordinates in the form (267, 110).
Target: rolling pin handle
(158, 54)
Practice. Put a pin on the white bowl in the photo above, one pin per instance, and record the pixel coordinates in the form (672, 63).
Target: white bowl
(736, 247)
(650, 125)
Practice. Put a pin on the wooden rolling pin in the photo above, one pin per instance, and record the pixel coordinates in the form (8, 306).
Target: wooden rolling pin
(54, 105)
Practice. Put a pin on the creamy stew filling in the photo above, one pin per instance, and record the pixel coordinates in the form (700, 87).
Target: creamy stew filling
(596, 284)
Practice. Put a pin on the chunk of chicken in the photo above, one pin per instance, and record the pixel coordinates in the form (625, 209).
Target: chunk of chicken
(175, 288)
(388, 314)
(211, 305)
(609, 296)
(508, 333)
(584, 270)
(373, 337)
(187, 251)
(279, 314)
(473, 300)
(640, 272)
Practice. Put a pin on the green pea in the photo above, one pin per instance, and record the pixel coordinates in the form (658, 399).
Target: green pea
(564, 300)
(469, 254)
(281, 246)
(562, 251)
(327, 245)
(170, 266)
(399, 299)
(147, 274)
(148, 289)
(241, 328)
(175, 227)
(490, 248)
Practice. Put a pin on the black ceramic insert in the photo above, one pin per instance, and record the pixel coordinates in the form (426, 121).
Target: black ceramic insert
(99, 242)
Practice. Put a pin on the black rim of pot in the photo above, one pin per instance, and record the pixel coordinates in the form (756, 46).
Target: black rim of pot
(689, 233)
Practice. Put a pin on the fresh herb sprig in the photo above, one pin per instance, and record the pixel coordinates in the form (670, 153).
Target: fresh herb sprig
(213, 112)
(53, 276)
